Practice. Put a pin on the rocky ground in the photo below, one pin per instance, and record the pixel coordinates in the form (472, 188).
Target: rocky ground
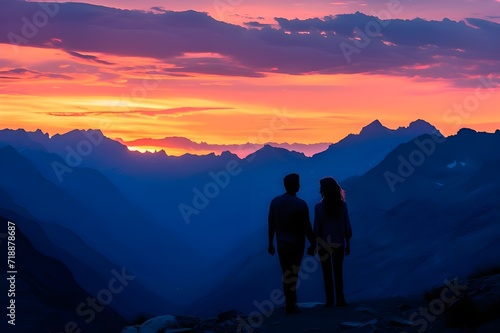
(455, 307)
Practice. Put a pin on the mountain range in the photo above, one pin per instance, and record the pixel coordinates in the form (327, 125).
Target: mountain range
(192, 229)
(180, 145)
(375, 130)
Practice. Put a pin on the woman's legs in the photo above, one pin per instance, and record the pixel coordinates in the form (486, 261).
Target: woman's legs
(338, 262)
(326, 266)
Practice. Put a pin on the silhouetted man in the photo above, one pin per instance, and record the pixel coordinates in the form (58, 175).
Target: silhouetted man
(289, 219)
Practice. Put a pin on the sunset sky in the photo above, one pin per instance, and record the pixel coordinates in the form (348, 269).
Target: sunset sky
(237, 71)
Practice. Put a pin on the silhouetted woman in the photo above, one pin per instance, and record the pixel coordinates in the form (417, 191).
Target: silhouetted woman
(333, 231)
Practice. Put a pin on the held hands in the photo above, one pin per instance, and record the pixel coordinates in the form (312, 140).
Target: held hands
(271, 250)
(347, 250)
(310, 251)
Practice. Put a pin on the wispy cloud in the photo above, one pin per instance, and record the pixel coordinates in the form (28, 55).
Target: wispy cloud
(18, 73)
(255, 24)
(89, 57)
(150, 113)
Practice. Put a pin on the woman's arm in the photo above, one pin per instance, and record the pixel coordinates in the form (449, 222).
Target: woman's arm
(348, 230)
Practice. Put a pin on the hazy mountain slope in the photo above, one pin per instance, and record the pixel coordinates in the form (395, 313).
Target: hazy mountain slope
(357, 153)
(440, 175)
(47, 296)
(440, 222)
(112, 238)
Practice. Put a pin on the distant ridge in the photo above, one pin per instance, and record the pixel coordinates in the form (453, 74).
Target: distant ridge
(353, 155)
(376, 129)
(178, 145)
(181, 144)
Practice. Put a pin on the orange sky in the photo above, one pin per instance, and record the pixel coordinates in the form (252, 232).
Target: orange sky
(60, 92)
(317, 108)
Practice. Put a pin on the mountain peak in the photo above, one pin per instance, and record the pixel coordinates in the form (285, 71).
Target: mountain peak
(466, 131)
(270, 152)
(228, 154)
(375, 127)
(421, 124)
(76, 133)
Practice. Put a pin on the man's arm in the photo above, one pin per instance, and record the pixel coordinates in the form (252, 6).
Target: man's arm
(271, 230)
(311, 237)
(316, 222)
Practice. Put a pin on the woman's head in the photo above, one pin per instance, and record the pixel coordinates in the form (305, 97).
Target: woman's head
(330, 189)
(333, 196)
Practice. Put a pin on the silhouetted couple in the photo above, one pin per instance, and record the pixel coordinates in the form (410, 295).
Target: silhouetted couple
(289, 220)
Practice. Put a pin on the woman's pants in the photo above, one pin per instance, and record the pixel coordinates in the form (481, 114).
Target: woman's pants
(331, 264)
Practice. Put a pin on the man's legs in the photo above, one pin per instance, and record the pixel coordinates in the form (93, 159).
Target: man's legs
(290, 259)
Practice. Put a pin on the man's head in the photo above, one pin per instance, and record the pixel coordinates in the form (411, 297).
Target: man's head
(292, 183)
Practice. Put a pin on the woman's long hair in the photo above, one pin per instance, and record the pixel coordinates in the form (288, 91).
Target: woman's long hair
(333, 196)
